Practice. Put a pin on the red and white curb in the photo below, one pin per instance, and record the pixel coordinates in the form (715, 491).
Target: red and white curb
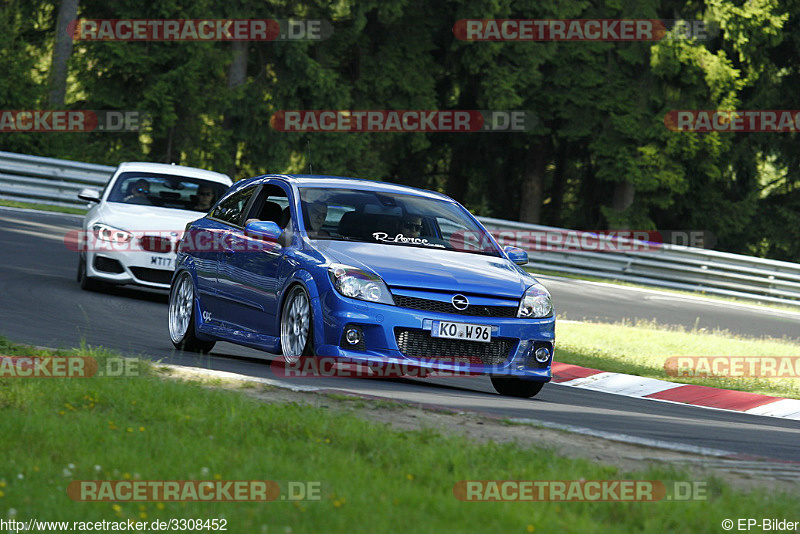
(650, 388)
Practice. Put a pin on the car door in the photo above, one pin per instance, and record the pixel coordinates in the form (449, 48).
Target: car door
(221, 223)
(249, 267)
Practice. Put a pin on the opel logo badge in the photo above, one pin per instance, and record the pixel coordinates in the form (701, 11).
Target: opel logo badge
(460, 302)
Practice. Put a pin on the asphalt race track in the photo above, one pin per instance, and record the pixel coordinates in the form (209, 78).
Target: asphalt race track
(42, 304)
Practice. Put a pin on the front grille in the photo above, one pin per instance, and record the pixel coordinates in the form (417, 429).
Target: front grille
(447, 307)
(415, 343)
(153, 243)
(155, 276)
(108, 265)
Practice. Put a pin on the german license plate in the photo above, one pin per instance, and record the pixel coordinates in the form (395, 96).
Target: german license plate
(160, 261)
(469, 332)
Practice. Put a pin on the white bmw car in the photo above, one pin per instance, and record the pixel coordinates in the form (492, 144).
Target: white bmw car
(131, 232)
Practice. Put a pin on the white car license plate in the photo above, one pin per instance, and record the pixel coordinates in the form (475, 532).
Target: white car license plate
(160, 261)
(470, 332)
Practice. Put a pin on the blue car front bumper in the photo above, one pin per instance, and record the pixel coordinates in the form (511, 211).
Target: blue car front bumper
(399, 336)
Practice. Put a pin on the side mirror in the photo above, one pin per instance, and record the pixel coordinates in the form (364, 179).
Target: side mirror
(89, 195)
(265, 230)
(515, 254)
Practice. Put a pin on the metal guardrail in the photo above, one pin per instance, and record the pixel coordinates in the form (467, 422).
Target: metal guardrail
(48, 180)
(57, 182)
(661, 265)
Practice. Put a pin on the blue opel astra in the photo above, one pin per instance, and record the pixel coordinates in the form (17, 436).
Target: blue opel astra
(360, 272)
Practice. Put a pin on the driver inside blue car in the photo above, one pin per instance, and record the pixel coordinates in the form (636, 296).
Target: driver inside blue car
(317, 213)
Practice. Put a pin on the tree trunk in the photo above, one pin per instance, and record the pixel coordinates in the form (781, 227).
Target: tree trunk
(237, 75)
(457, 182)
(530, 209)
(588, 215)
(559, 184)
(624, 193)
(62, 49)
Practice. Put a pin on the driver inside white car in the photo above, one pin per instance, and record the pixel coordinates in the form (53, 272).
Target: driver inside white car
(138, 193)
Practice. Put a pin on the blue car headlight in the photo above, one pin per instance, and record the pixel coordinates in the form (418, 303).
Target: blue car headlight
(535, 303)
(358, 284)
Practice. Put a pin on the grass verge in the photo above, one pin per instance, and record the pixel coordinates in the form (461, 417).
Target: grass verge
(373, 478)
(41, 207)
(642, 349)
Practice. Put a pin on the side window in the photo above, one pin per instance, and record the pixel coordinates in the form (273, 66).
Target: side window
(230, 210)
(272, 204)
(447, 228)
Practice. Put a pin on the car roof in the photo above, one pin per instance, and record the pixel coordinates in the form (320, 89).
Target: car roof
(341, 182)
(174, 170)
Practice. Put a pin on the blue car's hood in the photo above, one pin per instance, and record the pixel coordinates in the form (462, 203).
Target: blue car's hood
(431, 268)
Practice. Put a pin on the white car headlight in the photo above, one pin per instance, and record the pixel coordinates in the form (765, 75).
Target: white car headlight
(535, 303)
(109, 233)
(358, 284)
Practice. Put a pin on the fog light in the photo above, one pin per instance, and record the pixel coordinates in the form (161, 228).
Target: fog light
(542, 355)
(352, 336)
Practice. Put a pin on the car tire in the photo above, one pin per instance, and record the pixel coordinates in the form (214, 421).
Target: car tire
(87, 284)
(516, 387)
(297, 331)
(182, 320)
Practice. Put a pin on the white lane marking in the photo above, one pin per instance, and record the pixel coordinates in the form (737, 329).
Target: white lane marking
(721, 304)
(786, 408)
(212, 373)
(42, 212)
(634, 394)
(728, 410)
(628, 385)
(655, 294)
(758, 468)
(626, 438)
(36, 224)
(585, 380)
(38, 234)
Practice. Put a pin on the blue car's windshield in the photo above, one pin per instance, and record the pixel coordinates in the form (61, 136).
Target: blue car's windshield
(391, 218)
